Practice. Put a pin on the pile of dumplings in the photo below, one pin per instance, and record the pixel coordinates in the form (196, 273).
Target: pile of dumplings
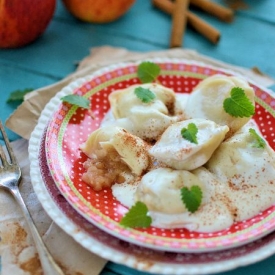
(140, 153)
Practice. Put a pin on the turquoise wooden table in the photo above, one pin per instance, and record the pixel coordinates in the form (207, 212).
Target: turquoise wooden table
(249, 41)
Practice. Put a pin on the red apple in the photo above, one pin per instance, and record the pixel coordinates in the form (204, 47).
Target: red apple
(98, 11)
(22, 21)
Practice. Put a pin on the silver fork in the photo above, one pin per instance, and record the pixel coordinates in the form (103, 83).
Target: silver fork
(10, 176)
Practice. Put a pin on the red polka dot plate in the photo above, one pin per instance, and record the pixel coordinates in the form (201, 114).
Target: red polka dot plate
(118, 251)
(70, 126)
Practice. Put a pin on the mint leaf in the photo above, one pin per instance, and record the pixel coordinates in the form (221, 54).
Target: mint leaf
(18, 95)
(137, 216)
(191, 198)
(77, 100)
(148, 71)
(190, 133)
(145, 95)
(259, 142)
(238, 105)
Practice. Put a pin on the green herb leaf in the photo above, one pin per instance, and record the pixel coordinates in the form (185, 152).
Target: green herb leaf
(77, 100)
(148, 71)
(191, 198)
(145, 95)
(18, 95)
(238, 105)
(259, 142)
(190, 133)
(137, 216)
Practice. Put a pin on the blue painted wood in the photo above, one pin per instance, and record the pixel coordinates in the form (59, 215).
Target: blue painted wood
(261, 268)
(13, 78)
(68, 40)
(248, 41)
(259, 10)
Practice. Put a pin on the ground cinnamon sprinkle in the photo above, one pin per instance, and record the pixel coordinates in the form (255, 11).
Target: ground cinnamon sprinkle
(32, 266)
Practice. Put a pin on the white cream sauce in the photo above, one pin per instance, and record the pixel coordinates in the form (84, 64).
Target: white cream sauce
(238, 183)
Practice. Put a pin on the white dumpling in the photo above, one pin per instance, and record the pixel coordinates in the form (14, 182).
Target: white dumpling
(247, 171)
(160, 191)
(131, 149)
(179, 153)
(180, 104)
(206, 100)
(160, 188)
(146, 120)
(122, 101)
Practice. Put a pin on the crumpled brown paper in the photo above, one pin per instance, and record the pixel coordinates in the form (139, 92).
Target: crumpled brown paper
(24, 119)
(18, 254)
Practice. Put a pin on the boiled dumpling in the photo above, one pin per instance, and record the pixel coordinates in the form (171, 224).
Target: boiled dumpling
(179, 153)
(93, 145)
(131, 149)
(160, 188)
(247, 171)
(122, 101)
(206, 100)
(146, 120)
(160, 191)
(240, 161)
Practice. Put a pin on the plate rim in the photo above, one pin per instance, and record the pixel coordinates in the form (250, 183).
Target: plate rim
(54, 105)
(94, 246)
(108, 253)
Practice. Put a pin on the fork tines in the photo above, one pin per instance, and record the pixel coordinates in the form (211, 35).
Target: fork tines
(8, 146)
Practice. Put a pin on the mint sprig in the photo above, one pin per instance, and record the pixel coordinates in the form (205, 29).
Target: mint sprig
(259, 142)
(77, 100)
(137, 216)
(18, 95)
(148, 71)
(190, 133)
(191, 197)
(238, 104)
(145, 95)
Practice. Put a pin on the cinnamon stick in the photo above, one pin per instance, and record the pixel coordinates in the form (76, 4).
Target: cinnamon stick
(205, 29)
(179, 20)
(221, 12)
(202, 27)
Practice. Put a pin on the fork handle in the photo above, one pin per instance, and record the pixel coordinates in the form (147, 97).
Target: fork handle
(48, 264)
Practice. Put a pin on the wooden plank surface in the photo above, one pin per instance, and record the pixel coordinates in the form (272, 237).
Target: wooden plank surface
(249, 41)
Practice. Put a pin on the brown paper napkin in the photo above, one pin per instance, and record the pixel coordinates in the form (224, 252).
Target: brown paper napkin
(16, 248)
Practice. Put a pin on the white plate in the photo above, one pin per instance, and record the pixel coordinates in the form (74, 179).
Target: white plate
(70, 126)
(116, 250)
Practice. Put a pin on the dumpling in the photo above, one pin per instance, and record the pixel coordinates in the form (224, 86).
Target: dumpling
(240, 161)
(146, 120)
(122, 101)
(180, 104)
(160, 188)
(160, 191)
(113, 153)
(179, 153)
(247, 171)
(131, 149)
(206, 100)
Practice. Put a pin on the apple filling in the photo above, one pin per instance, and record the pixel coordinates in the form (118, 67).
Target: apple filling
(103, 169)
